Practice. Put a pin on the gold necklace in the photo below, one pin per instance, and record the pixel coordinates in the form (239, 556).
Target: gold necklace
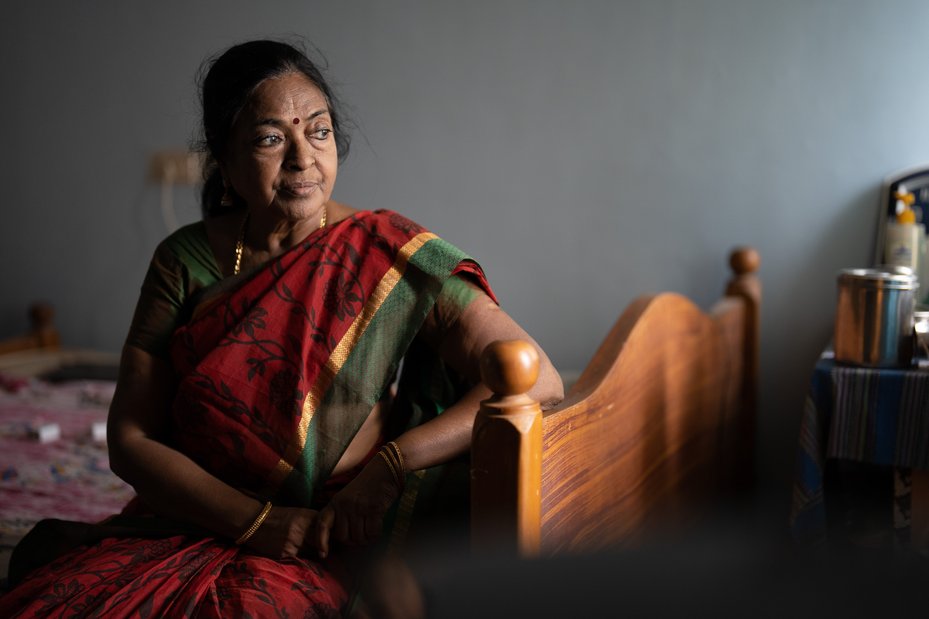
(240, 245)
(240, 242)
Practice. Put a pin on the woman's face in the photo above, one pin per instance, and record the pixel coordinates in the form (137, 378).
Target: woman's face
(281, 154)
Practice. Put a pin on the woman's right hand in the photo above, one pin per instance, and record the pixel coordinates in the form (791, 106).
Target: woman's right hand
(286, 532)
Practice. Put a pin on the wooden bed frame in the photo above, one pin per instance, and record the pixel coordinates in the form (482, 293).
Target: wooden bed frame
(38, 353)
(656, 435)
(42, 333)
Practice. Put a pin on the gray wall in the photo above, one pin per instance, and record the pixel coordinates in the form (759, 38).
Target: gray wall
(584, 152)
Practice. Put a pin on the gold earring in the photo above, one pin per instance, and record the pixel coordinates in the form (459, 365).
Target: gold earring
(226, 200)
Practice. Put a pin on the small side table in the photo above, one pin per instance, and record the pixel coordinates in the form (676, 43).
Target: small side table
(872, 416)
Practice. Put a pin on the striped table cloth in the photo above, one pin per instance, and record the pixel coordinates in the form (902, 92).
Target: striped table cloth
(875, 416)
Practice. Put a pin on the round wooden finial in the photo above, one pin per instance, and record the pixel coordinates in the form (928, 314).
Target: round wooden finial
(744, 260)
(510, 367)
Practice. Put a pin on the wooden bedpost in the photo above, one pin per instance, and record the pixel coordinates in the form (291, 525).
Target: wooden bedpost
(506, 491)
(42, 331)
(745, 284)
(42, 316)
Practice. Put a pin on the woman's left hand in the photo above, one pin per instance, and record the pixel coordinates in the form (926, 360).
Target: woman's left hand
(355, 515)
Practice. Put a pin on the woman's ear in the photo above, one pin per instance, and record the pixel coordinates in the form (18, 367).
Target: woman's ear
(228, 192)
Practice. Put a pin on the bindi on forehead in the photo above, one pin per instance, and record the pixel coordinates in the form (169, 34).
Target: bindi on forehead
(296, 121)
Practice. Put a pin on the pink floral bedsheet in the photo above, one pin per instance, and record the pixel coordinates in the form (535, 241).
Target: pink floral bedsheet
(68, 477)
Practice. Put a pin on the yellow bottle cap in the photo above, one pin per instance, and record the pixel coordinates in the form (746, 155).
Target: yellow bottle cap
(906, 216)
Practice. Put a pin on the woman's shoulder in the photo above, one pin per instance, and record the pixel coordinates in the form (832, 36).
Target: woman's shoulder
(391, 223)
(380, 222)
(187, 235)
(339, 210)
(189, 246)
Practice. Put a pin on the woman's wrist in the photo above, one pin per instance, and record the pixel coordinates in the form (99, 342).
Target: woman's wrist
(392, 458)
(255, 525)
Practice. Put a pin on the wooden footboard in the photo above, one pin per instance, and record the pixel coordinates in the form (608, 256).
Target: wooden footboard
(657, 431)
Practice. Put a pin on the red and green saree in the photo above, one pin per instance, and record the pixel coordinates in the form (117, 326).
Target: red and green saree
(277, 370)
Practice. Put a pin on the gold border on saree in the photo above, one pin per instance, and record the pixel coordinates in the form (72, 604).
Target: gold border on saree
(341, 353)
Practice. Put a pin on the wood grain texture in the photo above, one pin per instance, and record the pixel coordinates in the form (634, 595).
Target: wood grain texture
(506, 465)
(656, 431)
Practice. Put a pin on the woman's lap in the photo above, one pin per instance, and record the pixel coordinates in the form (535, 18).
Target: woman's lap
(174, 577)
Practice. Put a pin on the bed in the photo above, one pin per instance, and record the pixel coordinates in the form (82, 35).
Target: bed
(655, 437)
(53, 456)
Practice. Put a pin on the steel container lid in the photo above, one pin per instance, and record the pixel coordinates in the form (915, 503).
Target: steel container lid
(902, 279)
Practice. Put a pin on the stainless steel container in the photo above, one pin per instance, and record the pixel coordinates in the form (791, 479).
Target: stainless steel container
(874, 318)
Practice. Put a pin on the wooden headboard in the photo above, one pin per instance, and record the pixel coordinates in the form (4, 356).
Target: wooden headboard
(39, 353)
(657, 432)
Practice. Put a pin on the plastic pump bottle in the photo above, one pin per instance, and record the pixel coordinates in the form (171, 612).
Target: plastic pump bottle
(904, 236)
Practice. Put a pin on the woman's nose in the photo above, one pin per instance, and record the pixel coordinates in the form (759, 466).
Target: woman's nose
(301, 154)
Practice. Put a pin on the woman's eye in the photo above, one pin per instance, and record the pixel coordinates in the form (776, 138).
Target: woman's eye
(322, 133)
(269, 140)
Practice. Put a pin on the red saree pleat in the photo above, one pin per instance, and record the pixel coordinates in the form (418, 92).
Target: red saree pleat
(175, 577)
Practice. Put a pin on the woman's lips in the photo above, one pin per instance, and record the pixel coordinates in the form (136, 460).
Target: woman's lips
(300, 190)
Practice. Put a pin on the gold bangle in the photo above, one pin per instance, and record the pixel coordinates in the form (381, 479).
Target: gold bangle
(255, 525)
(399, 456)
(390, 465)
(384, 452)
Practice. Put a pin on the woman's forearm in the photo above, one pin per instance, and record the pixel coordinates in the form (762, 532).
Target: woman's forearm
(175, 486)
(460, 343)
(449, 435)
(445, 437)
(168, 481)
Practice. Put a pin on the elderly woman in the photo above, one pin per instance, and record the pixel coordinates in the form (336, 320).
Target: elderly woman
(262, 413)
